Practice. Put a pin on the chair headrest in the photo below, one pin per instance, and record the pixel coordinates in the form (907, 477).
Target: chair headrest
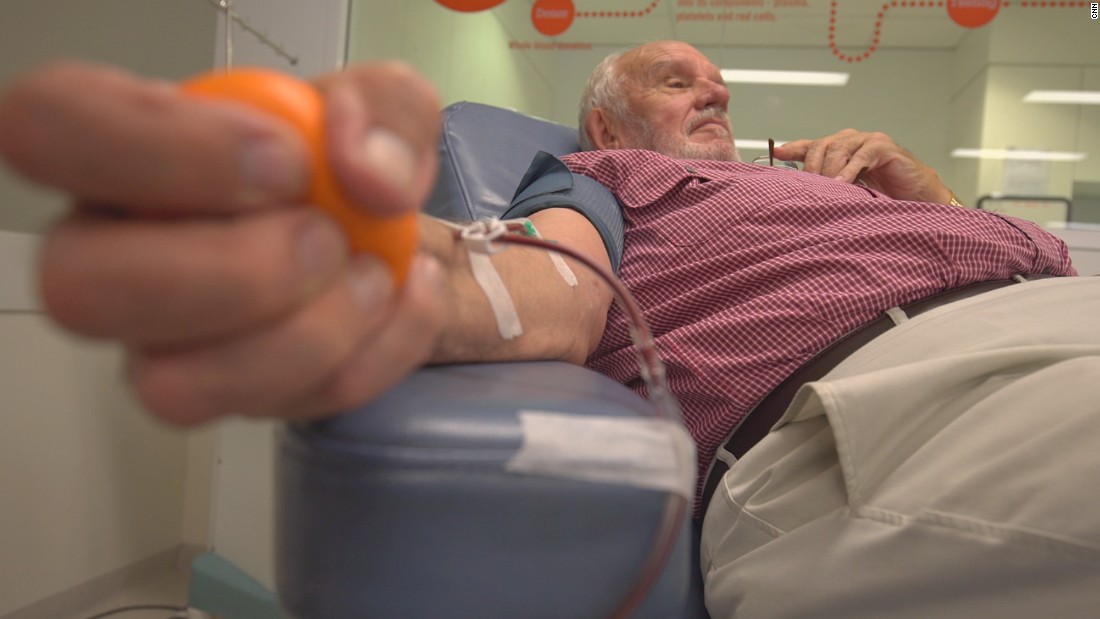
(484, 153)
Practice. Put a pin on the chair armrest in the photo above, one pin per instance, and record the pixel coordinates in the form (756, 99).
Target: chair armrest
(405, 509)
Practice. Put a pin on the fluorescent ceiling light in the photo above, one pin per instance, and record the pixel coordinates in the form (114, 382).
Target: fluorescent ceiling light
(1089, 97)
(793, 78)
(1029, 155)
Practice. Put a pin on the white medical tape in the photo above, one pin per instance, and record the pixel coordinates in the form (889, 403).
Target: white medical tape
(478, 237)
(563, 269)
(646, 453)
(559, 262)
(500, 300)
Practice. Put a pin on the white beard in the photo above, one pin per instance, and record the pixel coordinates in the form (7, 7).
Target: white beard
(679, 147)
(714, 151)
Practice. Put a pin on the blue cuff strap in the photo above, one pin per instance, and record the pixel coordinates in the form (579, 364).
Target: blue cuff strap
(548, 183)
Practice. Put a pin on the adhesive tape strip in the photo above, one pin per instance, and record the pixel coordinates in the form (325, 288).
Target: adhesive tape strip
(647, 453)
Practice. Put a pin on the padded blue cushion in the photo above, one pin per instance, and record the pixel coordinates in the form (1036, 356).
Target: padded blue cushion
(403, 509)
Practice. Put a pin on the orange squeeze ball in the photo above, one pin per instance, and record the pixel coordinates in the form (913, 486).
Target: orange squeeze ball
(391, 238)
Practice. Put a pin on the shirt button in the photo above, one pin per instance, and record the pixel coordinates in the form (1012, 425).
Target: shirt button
(690, 169)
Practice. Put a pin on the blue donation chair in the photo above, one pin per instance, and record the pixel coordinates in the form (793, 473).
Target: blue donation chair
(409, 508)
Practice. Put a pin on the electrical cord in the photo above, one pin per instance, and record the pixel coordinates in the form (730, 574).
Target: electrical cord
(127, 609)
(665, 406)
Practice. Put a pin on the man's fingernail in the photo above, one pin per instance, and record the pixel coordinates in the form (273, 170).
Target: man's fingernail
(390, 156)
(271, 168)
(371, 283)
(321, 245)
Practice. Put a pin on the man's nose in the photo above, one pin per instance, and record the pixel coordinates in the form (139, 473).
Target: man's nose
(712, 94)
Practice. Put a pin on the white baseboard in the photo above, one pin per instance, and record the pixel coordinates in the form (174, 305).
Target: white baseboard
(75, 600)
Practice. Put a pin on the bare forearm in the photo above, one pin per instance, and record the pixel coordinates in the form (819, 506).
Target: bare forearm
(559, 321)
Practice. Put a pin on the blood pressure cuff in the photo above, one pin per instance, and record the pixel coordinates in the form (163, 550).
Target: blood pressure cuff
(548, 183)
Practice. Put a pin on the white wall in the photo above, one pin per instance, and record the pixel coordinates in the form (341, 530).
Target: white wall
(967, 93)
(465, 55)
(241, 457)
(1023, 51)
(162, 38)
(930, 100)
(311, 32)
(93, 483)
(89, 483)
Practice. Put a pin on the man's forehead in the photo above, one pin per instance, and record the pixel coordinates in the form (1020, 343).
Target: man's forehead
(659, 59)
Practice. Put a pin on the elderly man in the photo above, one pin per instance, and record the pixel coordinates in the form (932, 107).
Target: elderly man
(917, 478)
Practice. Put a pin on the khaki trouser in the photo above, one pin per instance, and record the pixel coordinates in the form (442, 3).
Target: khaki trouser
(950, 468)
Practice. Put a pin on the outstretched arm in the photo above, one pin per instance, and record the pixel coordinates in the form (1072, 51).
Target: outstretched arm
(188, 243)
(559, 321)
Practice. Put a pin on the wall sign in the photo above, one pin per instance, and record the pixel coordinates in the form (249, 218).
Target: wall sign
(973, 13)
(469, 6)
(552, 17)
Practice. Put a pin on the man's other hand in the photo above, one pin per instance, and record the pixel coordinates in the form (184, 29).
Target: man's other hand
(871, 157)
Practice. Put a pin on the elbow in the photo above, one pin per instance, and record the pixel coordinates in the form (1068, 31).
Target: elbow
(587, 336)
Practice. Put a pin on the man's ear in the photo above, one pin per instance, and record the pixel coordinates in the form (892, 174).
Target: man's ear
(603, 130)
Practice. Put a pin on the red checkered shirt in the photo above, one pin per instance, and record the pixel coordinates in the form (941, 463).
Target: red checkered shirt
(745, 271)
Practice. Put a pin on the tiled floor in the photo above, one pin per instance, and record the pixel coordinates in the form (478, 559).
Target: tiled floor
(167, 587)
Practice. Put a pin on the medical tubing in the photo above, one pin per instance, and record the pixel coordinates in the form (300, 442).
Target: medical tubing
(665, 407)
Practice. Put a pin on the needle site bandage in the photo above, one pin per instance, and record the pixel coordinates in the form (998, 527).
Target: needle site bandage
(478, 237)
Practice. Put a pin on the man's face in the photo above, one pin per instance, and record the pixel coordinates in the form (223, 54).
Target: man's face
(678, 103)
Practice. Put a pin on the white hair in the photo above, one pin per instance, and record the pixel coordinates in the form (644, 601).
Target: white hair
(607, 89)
(603, 90)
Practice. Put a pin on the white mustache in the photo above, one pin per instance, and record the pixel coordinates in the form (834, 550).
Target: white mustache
(710, 113)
